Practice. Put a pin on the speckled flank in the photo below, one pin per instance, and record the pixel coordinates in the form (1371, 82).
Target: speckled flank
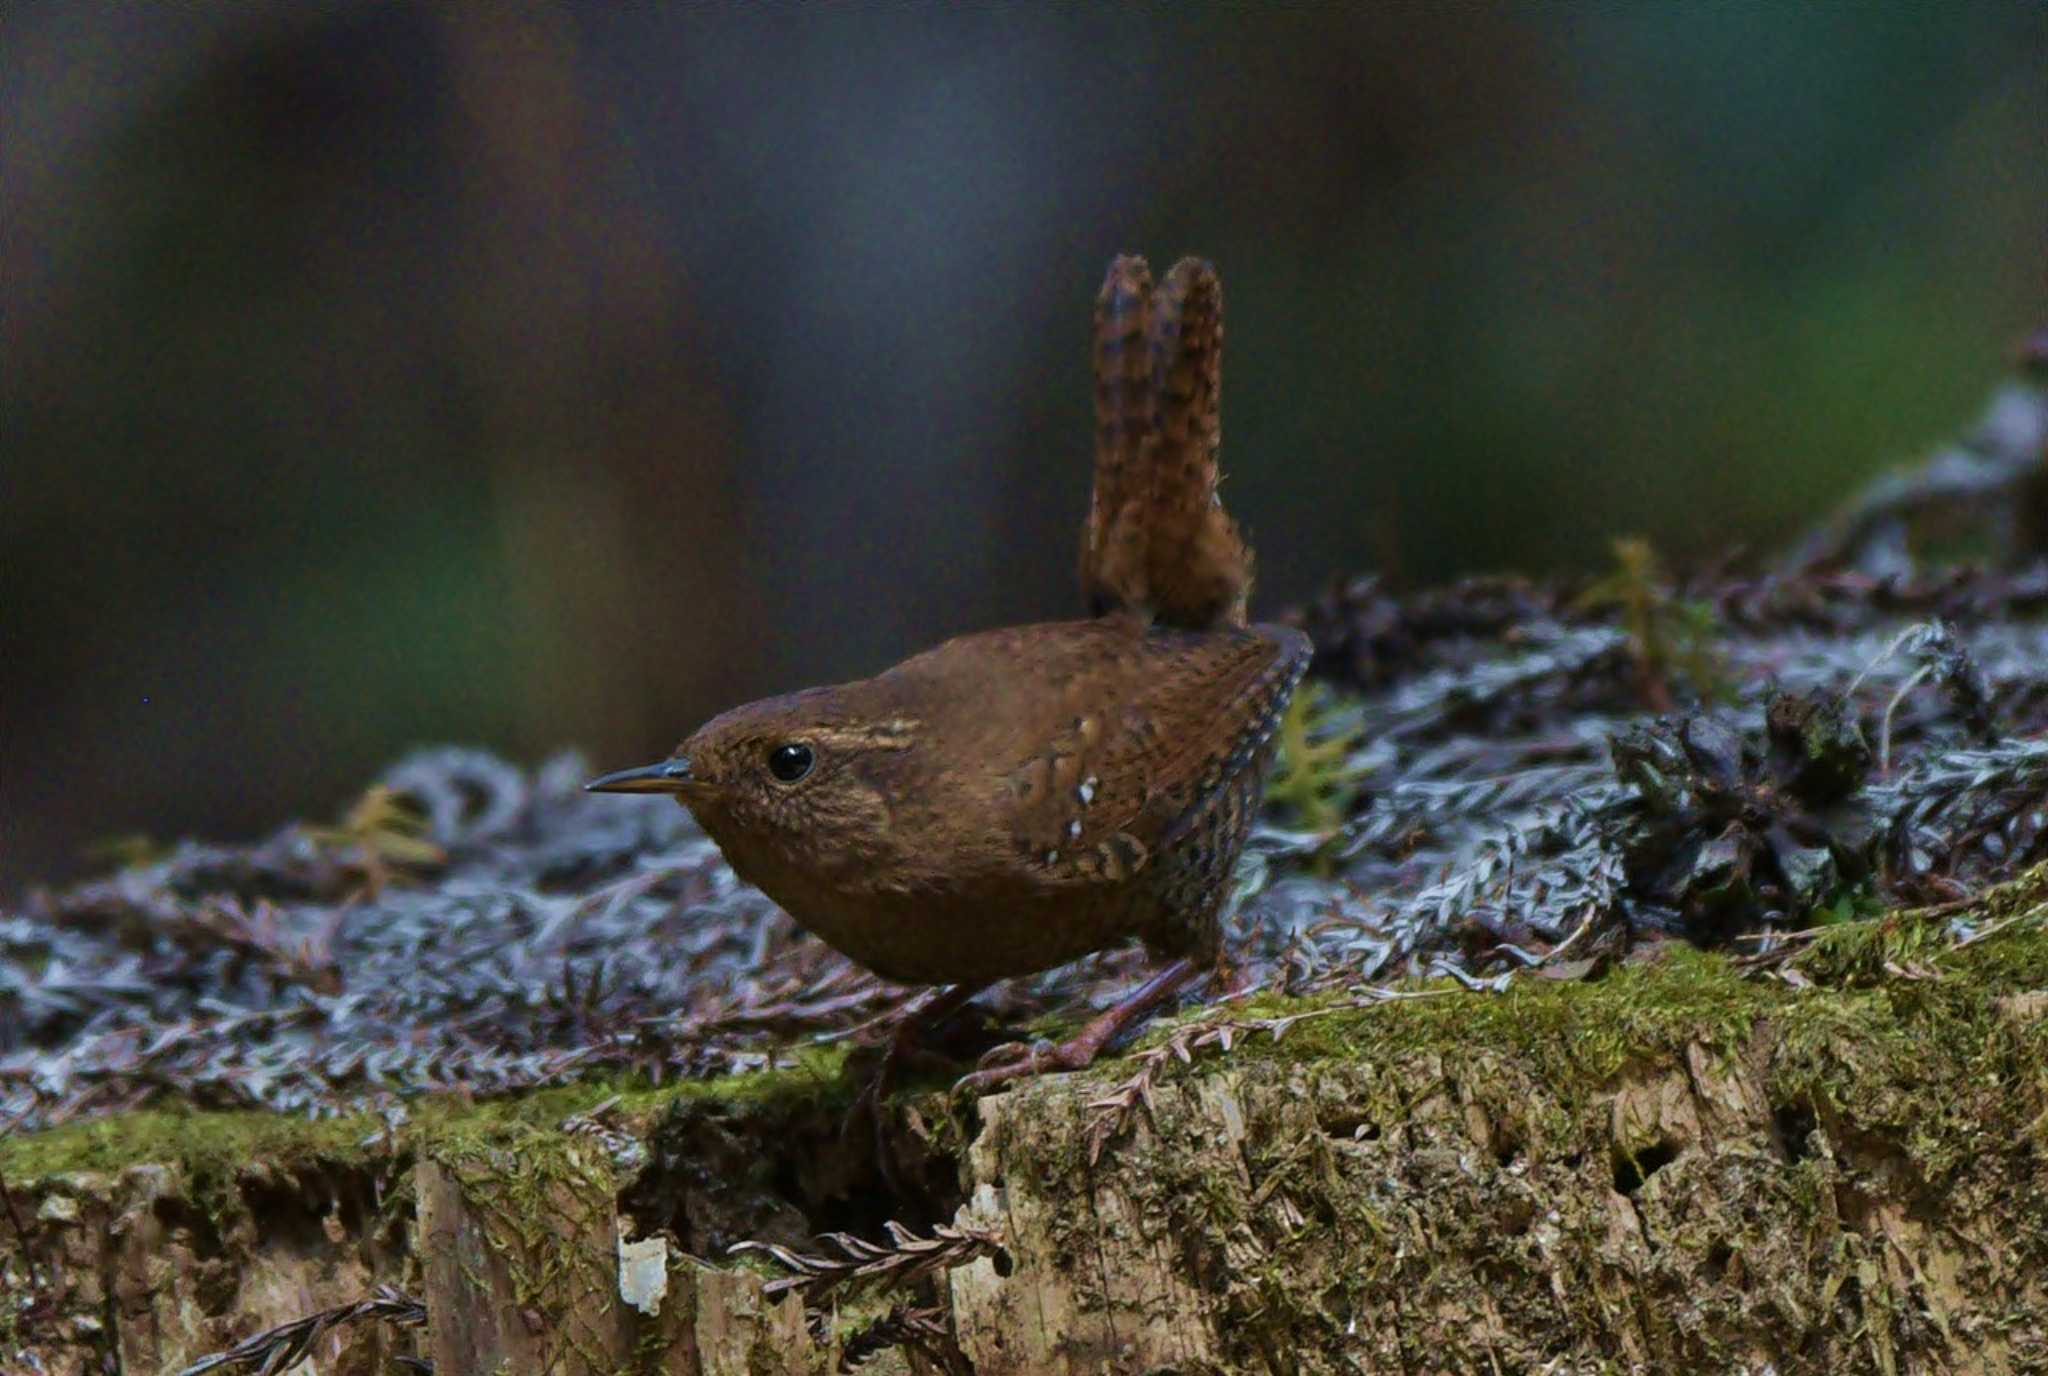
(1202, 849)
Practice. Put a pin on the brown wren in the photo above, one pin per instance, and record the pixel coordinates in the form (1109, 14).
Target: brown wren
(1017, 798)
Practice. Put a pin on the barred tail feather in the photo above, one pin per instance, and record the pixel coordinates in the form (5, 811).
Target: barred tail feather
(1159, 543)
(1113, 562)
(1198, 570)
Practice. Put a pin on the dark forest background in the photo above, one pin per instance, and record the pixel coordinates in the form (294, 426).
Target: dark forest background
(378, 374)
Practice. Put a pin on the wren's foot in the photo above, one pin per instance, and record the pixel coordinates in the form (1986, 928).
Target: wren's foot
(1079, 1051)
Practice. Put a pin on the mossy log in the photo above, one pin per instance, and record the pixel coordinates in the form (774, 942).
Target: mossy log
(1671, 1167)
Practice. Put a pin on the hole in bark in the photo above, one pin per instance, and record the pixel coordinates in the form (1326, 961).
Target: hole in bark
(188, 1223)
(783, 1170)
(295, 1206)
(1631, 1171)
(1348, 1123)
(1716, 1265)
(1001, 1261)
(1791, 1126)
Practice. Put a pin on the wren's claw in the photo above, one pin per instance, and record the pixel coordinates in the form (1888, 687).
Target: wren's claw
(1079, 1051)
(1009, 1053)
(1039, 1058)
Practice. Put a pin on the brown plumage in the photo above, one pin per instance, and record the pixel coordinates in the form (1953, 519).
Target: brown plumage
(1003, 803)
(1114, 543)
(1158, 541)
(1015, 799)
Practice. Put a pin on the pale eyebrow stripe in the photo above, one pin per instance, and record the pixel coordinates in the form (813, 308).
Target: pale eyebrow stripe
(897, 734)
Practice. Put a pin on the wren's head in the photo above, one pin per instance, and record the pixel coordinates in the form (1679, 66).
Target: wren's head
(794, 782)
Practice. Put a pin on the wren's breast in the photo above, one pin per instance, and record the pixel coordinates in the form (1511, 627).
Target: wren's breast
(944, 933)
(933, 939)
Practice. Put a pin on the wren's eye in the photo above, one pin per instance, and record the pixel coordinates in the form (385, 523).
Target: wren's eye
(790, 762)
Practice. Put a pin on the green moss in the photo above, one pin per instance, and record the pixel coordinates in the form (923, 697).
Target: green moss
(1559, 1157)
(1863, 1025)
(201, 1141)
(1431, 1149)
(207, 1142)
(1589, 1030)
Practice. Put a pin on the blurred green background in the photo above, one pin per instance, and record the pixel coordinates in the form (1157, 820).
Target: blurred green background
(379, 374)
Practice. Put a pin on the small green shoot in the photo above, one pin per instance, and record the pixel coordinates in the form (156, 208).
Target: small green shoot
(1666, 633)
(1317, 771)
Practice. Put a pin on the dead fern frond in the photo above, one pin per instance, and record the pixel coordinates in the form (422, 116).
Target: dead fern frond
(285, 1346)
(863, 1267)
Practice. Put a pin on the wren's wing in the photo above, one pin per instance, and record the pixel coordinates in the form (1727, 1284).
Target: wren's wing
(1113, 547)
(1191, 712)
(1198, 572)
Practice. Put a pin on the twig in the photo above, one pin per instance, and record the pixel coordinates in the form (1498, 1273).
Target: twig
(285, 1346)
(1113, 1109)
(1898, 643)
(1973, 938)
(923, 1329)
(1884, 731)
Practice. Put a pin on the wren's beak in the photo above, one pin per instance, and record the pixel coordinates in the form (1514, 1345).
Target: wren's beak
(670, 776)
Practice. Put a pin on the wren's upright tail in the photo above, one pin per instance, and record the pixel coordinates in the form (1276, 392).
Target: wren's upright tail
(1158, 540)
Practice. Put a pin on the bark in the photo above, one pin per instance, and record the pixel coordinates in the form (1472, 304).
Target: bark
(1672, 1168)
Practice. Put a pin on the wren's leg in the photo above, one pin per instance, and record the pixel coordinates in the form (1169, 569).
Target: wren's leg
(906, 1041)
(1081, 1049)
(903, 1045)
